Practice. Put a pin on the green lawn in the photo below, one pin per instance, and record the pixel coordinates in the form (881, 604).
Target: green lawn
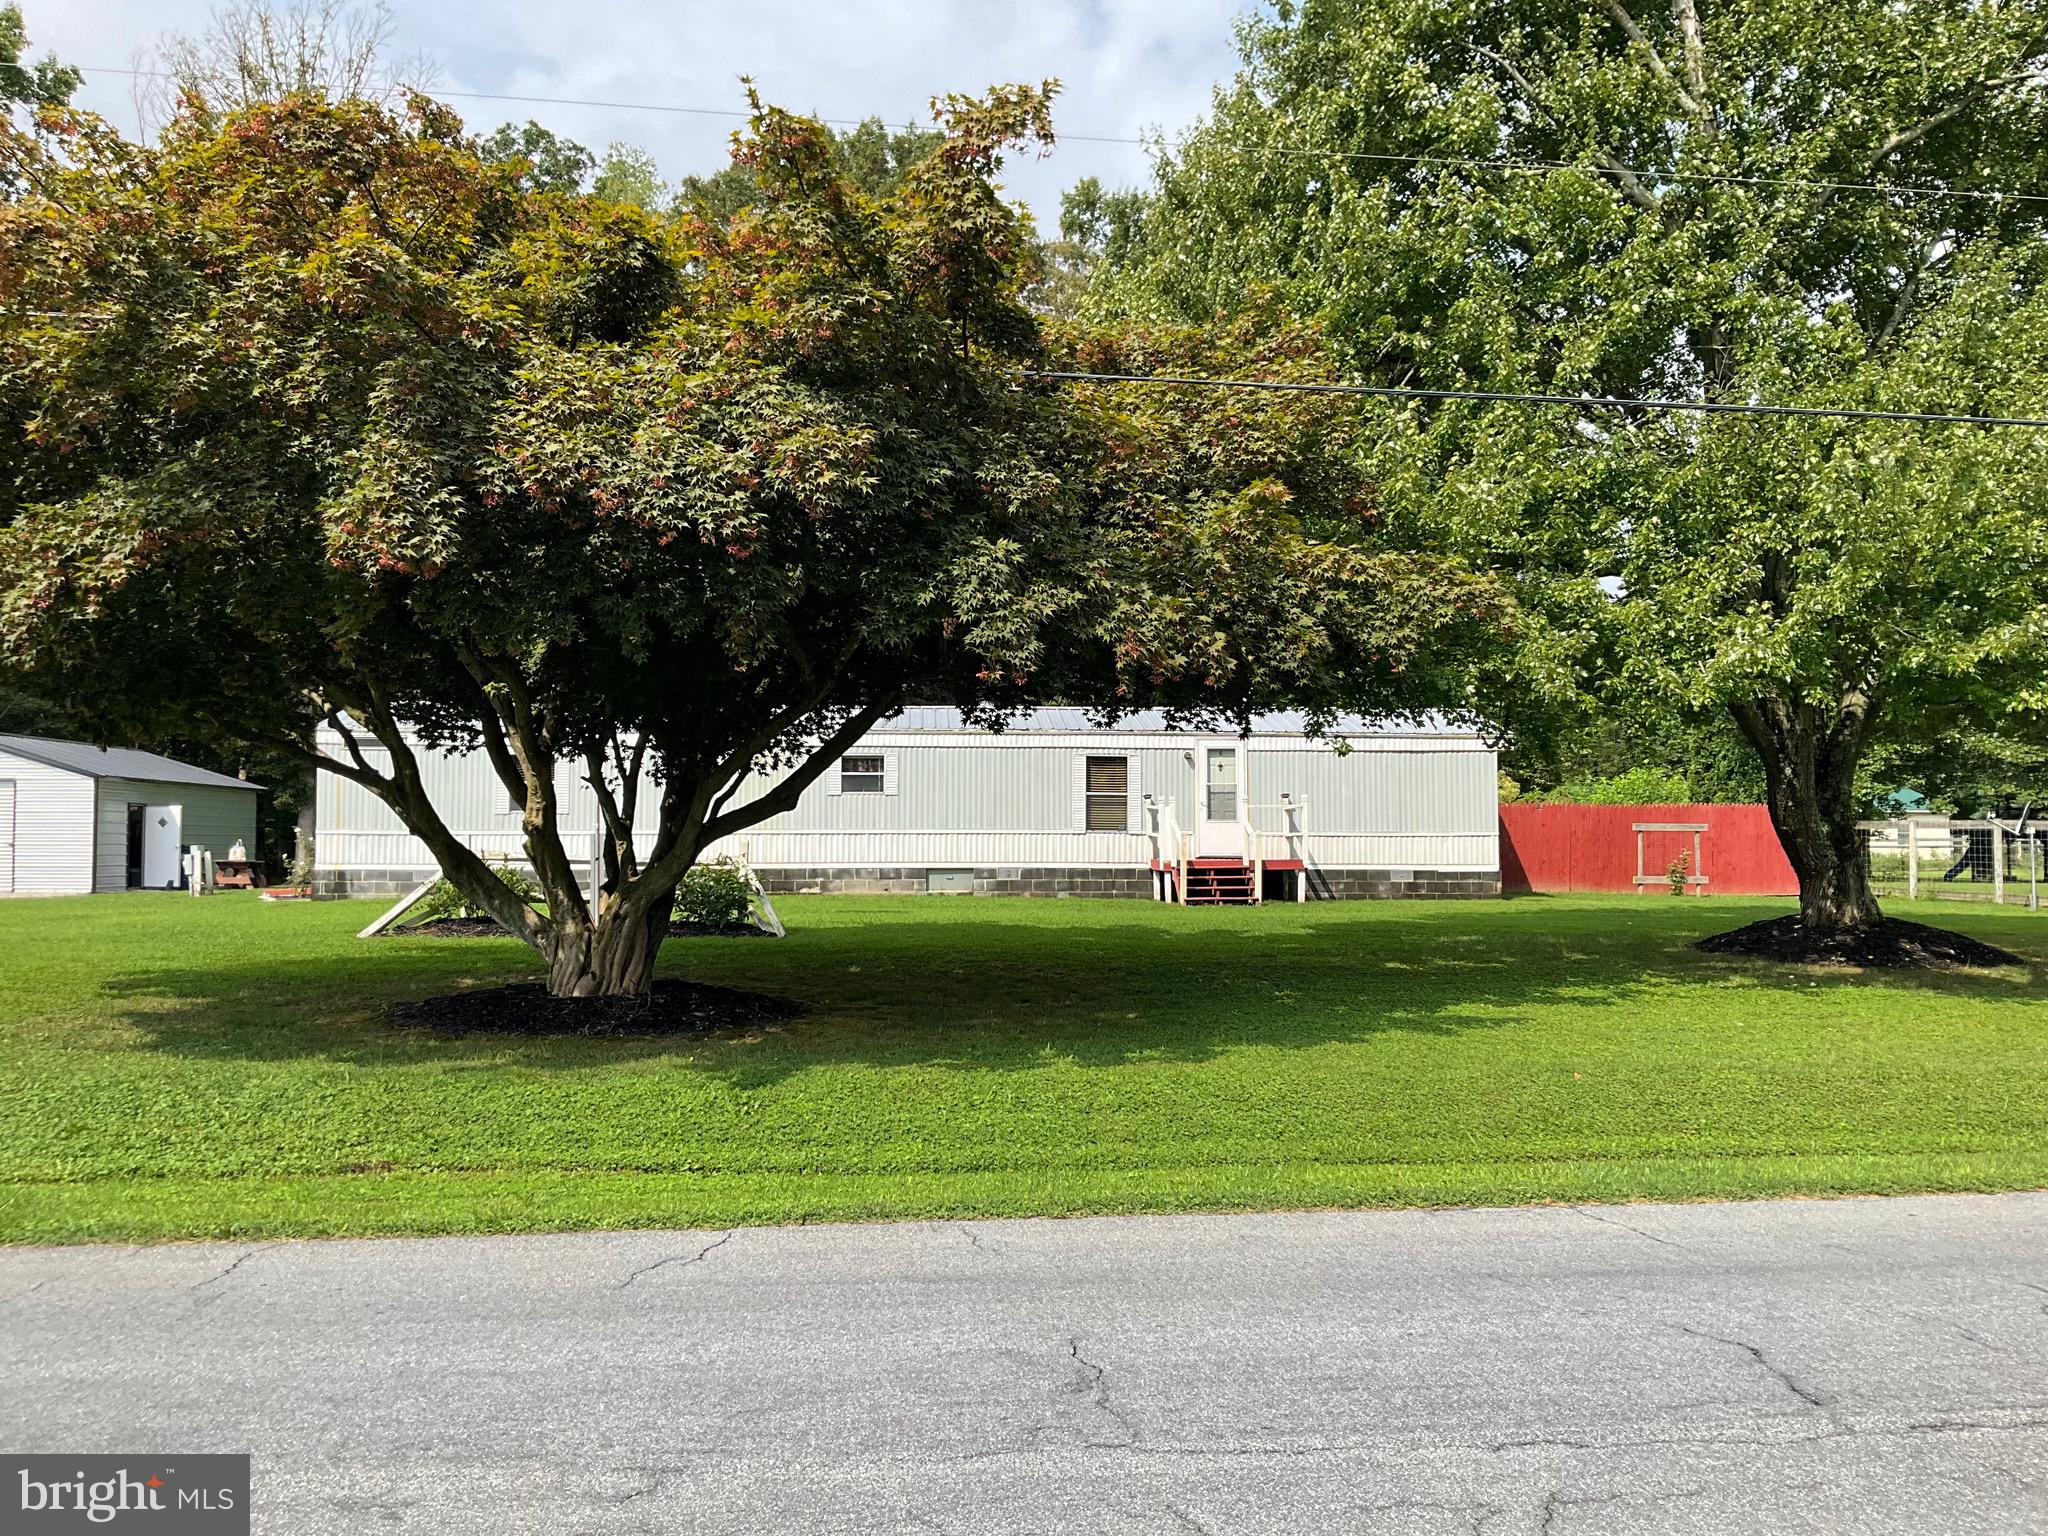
(179, 1068)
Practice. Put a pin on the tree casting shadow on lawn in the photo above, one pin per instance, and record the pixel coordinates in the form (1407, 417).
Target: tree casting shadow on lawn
(991, 995)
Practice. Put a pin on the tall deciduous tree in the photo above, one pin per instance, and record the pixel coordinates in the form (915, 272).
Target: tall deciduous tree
(45, 83)
(873, 158)
(553, 163)
(318, 416)
(259, 50)
(1763, 201)
(627, 174)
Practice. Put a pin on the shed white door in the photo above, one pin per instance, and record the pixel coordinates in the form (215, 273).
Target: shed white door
(6, 834)
(1217, 833)
(162, 834)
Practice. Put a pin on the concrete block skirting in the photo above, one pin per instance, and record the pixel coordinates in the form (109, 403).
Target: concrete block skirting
(393, 883)
(1385, 884)
(998, 880)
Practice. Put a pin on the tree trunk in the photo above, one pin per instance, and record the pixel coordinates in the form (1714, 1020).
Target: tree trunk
(614, 958)
(1809, 757)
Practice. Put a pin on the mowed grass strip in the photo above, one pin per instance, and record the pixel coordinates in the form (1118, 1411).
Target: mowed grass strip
(179, 1068)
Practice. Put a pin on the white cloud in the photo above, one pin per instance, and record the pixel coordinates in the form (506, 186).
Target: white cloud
(1126, 65)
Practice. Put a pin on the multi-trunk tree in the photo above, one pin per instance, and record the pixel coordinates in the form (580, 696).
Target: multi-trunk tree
(1772, 201)
(315, 415)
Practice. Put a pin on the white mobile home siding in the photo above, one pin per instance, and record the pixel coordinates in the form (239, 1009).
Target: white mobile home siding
(1394, 811)
(52, 829)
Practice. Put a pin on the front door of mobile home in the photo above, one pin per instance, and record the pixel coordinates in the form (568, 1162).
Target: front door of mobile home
(1217, 830)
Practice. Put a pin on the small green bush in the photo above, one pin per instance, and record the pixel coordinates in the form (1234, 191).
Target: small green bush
(717, 894)
(443, 900)
(301, 874)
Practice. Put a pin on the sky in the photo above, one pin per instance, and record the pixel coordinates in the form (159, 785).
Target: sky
(1127, 67)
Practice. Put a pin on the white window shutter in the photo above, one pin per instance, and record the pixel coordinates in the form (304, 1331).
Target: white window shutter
(832, 776)
(1080, 791)
(1132, 798)
(888, 773)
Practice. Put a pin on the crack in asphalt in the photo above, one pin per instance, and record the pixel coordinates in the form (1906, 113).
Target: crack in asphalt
(1978, 1339)
(1785, 1378)
(1609, 1221)
(681, 1260)
(1840, 1432)
(974, 1238)
(1471, 1509)
(1098, 1396)
(1555, 1503)
(1037, 1447)
(1560, 1443)
(240, 1260)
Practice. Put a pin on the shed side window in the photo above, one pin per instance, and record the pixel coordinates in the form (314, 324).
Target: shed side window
(860, 775)
(1109, 783)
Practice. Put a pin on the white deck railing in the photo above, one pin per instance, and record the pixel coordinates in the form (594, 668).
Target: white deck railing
(1169, 848)
(1284, 836)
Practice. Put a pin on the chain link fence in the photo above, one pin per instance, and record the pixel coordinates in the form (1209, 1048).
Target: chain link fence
(1928, 858)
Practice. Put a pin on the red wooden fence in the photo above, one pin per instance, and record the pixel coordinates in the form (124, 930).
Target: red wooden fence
(1593, 848)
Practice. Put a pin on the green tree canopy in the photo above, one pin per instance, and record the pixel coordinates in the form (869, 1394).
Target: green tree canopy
(1764, 201)
(26, 88)
(628, 175)
(1097, 226)
(871, 156)
(45, 83)
(317, 416)
(553, 163)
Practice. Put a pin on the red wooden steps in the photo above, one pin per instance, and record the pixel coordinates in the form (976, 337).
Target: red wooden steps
(1220, 883)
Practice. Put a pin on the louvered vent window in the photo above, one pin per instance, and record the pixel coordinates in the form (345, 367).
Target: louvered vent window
(1109, 784)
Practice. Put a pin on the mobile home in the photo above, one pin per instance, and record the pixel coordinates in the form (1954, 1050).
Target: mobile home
(1052, 805)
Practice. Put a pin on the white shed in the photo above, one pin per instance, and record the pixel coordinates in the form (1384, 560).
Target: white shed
(1053, 805)
(76, 818)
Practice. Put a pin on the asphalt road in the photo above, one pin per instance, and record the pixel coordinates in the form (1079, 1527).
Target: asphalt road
(1861, 1366)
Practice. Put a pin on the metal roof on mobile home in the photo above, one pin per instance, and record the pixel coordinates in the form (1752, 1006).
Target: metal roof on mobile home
(1154, 722)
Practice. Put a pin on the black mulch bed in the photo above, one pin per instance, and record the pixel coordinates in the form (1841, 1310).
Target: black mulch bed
(491, 928)
(1893, 944)
(672, 1008)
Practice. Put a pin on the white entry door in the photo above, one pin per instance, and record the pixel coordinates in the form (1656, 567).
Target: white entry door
(1217, 832)
(6, 834)
(162, 835)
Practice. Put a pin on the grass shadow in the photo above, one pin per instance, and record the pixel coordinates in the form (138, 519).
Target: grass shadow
(987, 986)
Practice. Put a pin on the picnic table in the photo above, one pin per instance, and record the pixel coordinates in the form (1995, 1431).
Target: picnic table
(238, 875)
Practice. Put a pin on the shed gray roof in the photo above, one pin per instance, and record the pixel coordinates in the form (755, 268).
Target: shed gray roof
(1281, 723)
(117, 763)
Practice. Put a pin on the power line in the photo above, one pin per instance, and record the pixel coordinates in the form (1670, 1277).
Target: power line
(1531, 167)
(1403, 392)
(732, 113)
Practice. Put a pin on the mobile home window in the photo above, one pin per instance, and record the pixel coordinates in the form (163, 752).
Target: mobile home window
(860, 776)
(1109, 783)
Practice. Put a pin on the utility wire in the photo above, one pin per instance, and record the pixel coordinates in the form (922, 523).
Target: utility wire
(1403, 392)
(1318, 152)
